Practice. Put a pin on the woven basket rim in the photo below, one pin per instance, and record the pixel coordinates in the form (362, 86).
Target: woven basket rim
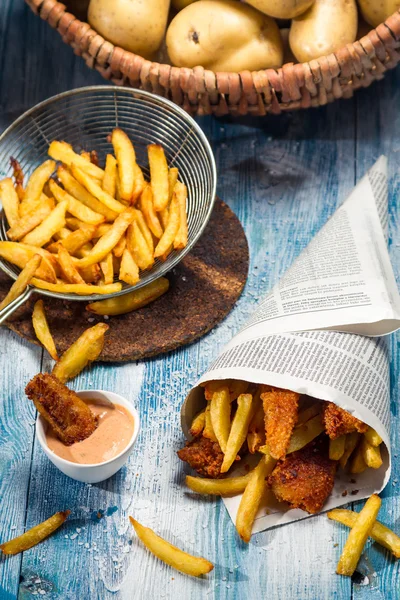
(37, 5)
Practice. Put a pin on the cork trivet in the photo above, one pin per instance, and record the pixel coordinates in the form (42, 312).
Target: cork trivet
(203, 290)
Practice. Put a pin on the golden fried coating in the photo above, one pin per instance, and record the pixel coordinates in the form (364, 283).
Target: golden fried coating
(204, 456)
(71, 419)
(281, 411)
(338, 422)
(305, 478)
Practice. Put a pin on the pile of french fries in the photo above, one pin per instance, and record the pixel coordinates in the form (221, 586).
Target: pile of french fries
(87, 228)
(234, 414)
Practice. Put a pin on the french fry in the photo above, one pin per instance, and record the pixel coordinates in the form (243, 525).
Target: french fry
(131, 301)
(92, 274)
(358, 536)
(31, 220)
(139, 183)
(75, 240)
(35, 186)
(256, 433)
(18, 178)
(252, 497)
(126, 158)
(138, 246)
(74, 224)
(76, 208)
(110, 239)
(84, 350)
(380, 533)
(70, 273)
(232, 486)
(120, 247)
(208, 431)
(86, 155)
(165, 244)
(308, 413)
(64, 153)
(181, 238)
(93, 188)
(158, 176)
(42, 330)
(358, 464)
(220, 414)
(146, 205)
(10, 201)
(239, 429)
(173, 174)
(62, 234)
(198, 423)
(351, 442)
(336, 447)
(213, 386)
(34, 536)
(373, 437)
(371, 454)
(304, 434)
(236, 388)
(22, 281)
(107, 268)
(73, 187)
(81, 289)
(171, 555)
(110, 176)
(43, 233)
(128, 271)
(102, 229)
(141, 221)
(19, 254)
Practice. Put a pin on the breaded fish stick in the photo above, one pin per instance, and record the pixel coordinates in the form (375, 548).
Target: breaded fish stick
(70, 418)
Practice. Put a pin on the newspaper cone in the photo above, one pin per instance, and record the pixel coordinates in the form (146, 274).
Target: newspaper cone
(317, 333)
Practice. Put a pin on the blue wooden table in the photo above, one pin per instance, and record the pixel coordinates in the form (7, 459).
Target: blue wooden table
(283, 176)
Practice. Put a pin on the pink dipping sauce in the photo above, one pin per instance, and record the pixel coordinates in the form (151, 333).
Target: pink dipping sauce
(112, 435)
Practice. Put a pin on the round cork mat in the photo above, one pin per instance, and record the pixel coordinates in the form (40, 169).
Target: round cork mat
(203, 290)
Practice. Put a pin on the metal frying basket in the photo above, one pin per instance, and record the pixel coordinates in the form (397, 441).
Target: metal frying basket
(84, 117)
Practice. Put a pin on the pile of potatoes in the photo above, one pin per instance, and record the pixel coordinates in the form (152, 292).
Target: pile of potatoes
(230, 35)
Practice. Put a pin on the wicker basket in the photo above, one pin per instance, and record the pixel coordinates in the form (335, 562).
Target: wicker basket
(200, 91)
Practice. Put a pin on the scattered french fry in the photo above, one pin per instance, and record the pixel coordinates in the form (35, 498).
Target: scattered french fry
(146, 204)
(198, 423)
(84, 350)
(239, 429)
(358, 536)
(35, 186)
(158, 176)
(171, 555)
(380, 533)
(42, 330)
(305, 433)
(336, 447)
(219, 487)
(131, 301)
(220, 414)
(371, 454)
(110, 176)
(34, 536)
(82, 289)
(67, 266)
(10, 201)
(64, 153)
(164, 246)
(128, 271)
(181, 238)
(76, 208)
(252, 497)
(373, 437)
(126, 158)
(43, 233)
(22, 281)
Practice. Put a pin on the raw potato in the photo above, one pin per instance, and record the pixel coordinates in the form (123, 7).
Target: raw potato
(376, 12)
(281, 9)
(224, 35)
(327, 26)
(135, 25)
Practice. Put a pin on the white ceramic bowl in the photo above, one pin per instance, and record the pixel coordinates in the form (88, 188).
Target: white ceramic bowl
(97, 472)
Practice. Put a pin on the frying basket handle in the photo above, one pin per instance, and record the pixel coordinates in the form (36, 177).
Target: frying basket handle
(8, 310)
